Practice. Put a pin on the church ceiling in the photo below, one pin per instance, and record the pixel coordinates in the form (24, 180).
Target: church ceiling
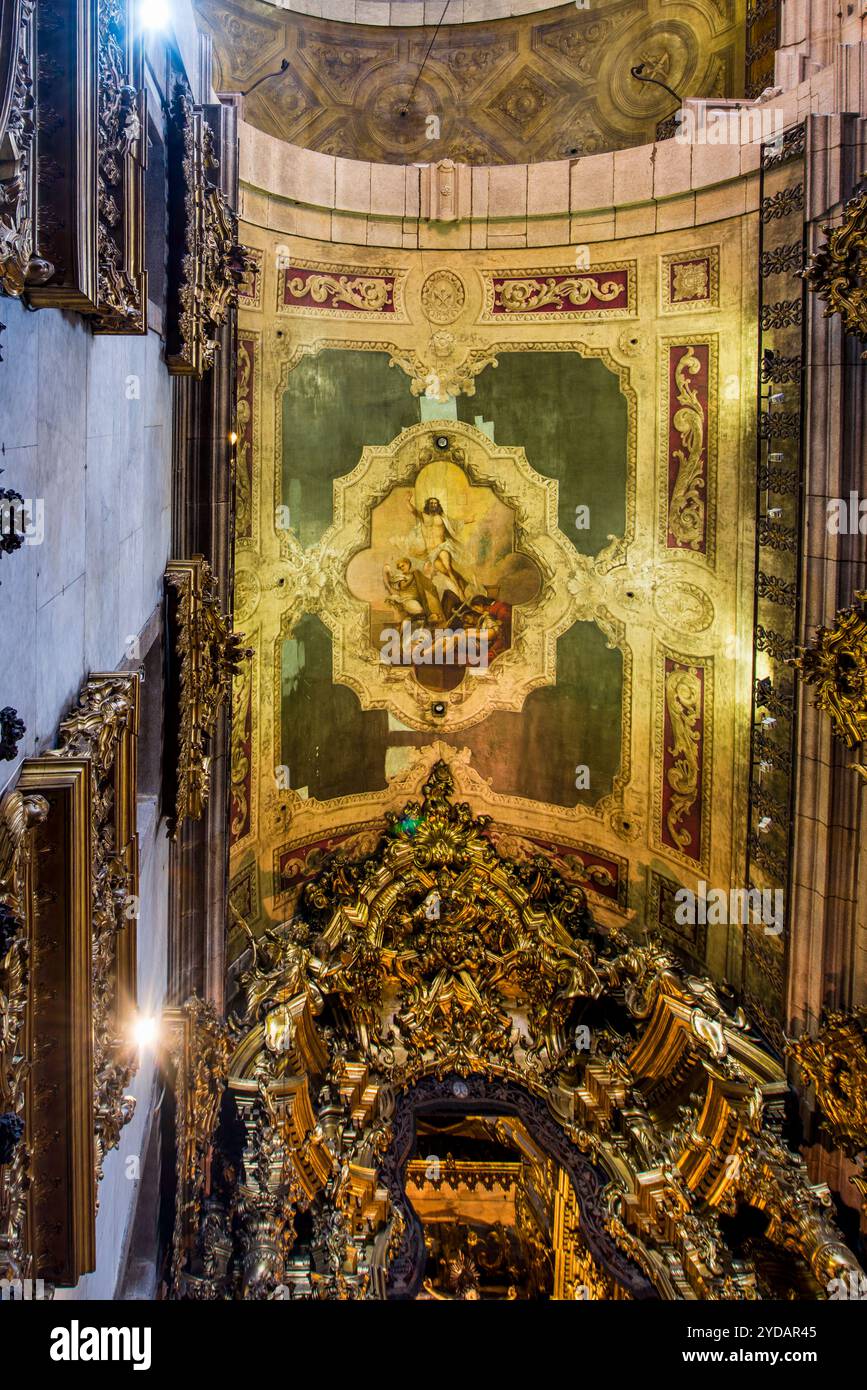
(493, 445)
(537, 86)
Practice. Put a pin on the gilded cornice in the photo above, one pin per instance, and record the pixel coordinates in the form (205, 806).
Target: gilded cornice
(91, 163)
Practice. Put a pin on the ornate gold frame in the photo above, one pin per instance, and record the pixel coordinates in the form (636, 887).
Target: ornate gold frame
(62, 1154)
(91, 171)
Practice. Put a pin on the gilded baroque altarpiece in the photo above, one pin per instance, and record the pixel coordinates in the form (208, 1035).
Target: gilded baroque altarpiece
(669, 318)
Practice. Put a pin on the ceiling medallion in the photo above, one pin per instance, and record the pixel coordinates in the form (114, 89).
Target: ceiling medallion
(443, 297)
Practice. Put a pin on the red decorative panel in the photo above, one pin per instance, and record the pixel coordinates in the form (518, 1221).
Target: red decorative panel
(306, 287)
(687, 446)
(293, 865)
(601, 874)
(681, 802)
(241, 784)
(606, 291)
(247, 364)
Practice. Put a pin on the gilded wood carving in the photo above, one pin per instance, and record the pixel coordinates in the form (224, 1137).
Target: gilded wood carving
(64, 1134)
(834, 1062)
(103, 728)
(205, 261)
(206, 653)
(436, 972)
(19, 813)
(836, 272)
(836, 664)
(20, 263)
(91, 156)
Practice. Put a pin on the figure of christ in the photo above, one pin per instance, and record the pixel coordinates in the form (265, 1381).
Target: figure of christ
(411, 594)
(440, 547)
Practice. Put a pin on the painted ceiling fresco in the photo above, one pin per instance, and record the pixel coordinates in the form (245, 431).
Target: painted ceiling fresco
(479, 520)
(539, 86)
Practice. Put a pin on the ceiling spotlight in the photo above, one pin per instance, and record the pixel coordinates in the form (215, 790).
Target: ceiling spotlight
(154, 14)
(442, 441)
(439, 708)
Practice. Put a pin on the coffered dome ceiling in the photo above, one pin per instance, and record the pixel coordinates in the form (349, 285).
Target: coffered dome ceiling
(539, 85)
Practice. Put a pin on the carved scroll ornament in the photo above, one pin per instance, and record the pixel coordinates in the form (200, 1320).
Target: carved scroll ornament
(686, 512)
(519, 296)
(338, 291)
(683, 702)
(525, 296)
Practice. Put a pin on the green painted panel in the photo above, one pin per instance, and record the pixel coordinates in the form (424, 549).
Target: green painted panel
(575, 722)
(569, 415)
(329, 744)
(535, 752)
(334, 404)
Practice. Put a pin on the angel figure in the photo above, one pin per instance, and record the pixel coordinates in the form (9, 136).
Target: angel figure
(411, 593)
